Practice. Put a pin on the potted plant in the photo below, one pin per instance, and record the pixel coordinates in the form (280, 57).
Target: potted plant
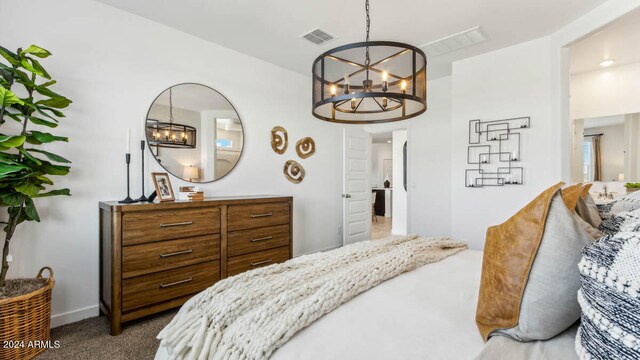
(631, 187)
(28, 107)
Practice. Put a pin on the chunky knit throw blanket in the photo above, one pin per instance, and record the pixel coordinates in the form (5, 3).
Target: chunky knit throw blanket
(250, 315)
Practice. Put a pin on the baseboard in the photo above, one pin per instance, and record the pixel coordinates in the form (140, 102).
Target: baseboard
(73, 316)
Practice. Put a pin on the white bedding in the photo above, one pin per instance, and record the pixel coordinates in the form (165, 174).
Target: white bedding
(428, 313)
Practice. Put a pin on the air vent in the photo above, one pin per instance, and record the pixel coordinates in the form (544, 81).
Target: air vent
(455, 42)
(318, 36)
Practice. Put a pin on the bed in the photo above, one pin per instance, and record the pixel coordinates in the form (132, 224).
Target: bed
(428, 313)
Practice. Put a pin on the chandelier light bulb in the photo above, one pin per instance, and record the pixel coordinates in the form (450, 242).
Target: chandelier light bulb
(333, 90)
(403, 85)
(353, 103)
(385, 76)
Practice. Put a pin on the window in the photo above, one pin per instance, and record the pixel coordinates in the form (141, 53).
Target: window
(587, 174)
(224, 144)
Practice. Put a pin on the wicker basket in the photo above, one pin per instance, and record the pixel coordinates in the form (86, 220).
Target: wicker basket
(24, 319)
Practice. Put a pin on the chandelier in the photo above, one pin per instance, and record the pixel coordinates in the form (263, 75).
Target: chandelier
(170, 134)
(389, 85)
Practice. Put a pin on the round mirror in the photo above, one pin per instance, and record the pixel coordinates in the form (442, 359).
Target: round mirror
(194, 133)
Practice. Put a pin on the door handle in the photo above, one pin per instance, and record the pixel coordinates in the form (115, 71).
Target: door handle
(346, 196)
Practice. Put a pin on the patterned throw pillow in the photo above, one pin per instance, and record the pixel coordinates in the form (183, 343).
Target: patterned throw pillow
(616, 222)
(610, 297)
(627, 203)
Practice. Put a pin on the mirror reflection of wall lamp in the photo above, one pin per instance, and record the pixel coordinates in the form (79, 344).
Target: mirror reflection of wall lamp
(494, 146)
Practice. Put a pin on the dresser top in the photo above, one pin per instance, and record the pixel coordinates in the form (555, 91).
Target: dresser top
(115, 206)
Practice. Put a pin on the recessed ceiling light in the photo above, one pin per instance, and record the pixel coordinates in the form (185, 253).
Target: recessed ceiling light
(607, 62)
(389, 141)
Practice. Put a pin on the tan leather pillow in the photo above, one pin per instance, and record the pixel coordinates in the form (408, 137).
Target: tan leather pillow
(529, 279)
(571, 194)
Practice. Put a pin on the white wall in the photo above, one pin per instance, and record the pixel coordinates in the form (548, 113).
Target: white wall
(610, 91)
(429, 162)
(612, 150)
(112, 65)
(399, 197)
(507, 83)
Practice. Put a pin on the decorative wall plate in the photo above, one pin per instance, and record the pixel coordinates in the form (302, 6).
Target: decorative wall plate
(279, 139)
(305, 147)
(293, 171)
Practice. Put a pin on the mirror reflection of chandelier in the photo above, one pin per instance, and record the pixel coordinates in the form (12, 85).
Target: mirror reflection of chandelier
(170, 134)
(370, 82)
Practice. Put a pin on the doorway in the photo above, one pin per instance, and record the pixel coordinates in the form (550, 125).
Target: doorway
(382, 182)
(374, 183)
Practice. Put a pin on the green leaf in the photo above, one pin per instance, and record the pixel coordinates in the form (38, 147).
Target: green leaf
(48, 83)
(10, 168)
(9, 56)
(54, 193)
(30, 210)
(12, 141)
(7, 97)
(30, 157)
(36, 51)
(41, 137)
(11, 199)
(51, 156)
(40, 68)
(40, 121)
(28, 188)
(28, 66)
(41, 110)
(58, 103)
(49, 168)
(44, 179)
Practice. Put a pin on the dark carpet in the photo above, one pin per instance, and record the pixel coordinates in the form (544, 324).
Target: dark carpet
(89, 339)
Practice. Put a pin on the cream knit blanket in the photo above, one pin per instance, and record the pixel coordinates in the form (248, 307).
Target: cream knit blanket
(250, 315)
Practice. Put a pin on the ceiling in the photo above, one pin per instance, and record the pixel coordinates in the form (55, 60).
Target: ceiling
(270, 30)
(381, 138)
(591, 123)
(617, 41)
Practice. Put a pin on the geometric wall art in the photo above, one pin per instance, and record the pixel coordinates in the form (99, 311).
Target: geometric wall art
(494, 150)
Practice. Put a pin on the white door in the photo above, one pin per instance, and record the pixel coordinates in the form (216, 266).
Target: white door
(356, 192)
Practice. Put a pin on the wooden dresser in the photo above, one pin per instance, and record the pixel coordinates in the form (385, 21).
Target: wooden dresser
(155, 256)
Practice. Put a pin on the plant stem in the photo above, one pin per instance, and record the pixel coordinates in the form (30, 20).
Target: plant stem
(11, 228)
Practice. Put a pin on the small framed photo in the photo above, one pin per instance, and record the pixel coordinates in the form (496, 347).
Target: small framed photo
(163, 186)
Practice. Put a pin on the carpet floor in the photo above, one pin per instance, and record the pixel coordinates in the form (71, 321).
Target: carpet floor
(89, 339)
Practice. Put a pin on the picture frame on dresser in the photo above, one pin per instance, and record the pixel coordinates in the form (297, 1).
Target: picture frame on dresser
(155, 256)
(162, 183)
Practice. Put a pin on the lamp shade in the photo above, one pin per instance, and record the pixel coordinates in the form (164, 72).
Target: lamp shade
(190, 172)
(621, 177)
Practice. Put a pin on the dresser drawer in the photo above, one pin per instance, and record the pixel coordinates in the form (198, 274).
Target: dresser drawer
(252, 240)
(242, 217)
(242, 263)
(148, 226)
(164, 255)
(166, 285)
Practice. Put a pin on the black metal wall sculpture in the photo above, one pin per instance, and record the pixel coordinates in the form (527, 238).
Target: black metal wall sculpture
(494, 147)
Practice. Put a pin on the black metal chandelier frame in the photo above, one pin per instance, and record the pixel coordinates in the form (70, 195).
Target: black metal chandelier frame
(170, 134)
(354, 95)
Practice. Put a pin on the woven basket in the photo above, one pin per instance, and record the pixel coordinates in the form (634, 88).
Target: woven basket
(25, 319)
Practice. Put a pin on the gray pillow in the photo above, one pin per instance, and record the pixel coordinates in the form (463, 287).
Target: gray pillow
(549, 305)
(504, 348)
(588, 211)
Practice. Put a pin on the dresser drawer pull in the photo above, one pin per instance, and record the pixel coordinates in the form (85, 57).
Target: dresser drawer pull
(260, 215)
(176, 253)
(261, 262)
(162, 286)
(177, 224)
(262, 239)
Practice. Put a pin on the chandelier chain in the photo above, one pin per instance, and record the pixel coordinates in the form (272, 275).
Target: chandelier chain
(367, 60)
(170, 106)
